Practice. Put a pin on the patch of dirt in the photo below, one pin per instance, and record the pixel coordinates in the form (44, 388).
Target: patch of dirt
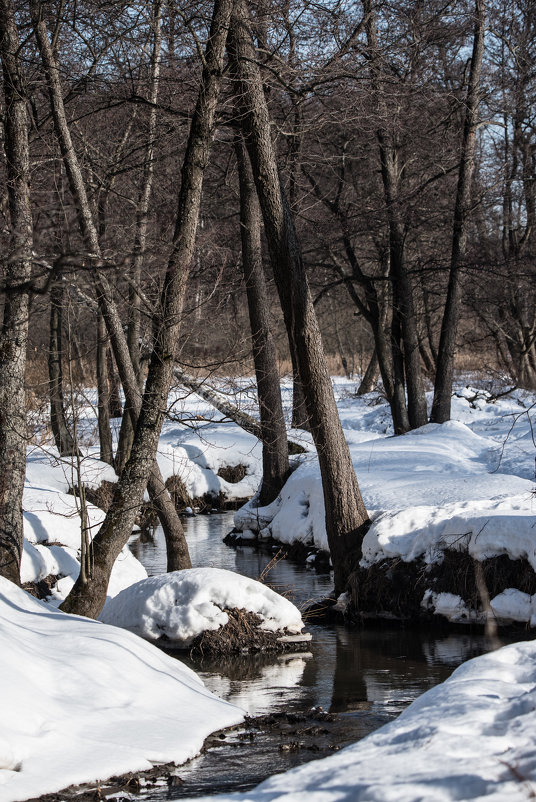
(394, 589)
(41, 589)
(232, 473)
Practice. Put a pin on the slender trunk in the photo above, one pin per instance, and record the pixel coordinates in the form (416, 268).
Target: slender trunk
(346, 517)
(275, 464)
(116, 528)
(103, 393)
(451, 315)
(405, 340)
(126, 506)
(126, 433)
(14, 332)
(58, 421)
(369, 377)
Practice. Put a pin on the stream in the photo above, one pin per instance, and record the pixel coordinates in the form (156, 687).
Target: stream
(348, 684)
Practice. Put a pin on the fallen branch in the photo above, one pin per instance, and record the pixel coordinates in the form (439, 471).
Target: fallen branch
(217, 400)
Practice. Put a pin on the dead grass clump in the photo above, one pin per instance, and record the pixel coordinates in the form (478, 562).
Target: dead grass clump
(179, 495)
(242, 633)
(100, 497)
(43, 588)
(232, 473)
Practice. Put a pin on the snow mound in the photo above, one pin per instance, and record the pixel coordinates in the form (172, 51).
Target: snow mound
(482, 528)
(471, 738)
(82, 701)
(183, 604)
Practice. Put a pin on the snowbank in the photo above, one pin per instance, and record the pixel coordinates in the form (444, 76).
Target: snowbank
(471, 738)
(82, 701)
(183, 604)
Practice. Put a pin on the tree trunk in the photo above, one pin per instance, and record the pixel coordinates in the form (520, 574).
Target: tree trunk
(172, 526)
(58, 421)
(275, 464)
(405, 339)
(369, 377)
(103, 393)
(117, 526)
(346, 517)
(14, 332)
(451, 315)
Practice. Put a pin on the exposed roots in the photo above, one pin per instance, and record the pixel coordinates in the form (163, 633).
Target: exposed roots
(394, 589)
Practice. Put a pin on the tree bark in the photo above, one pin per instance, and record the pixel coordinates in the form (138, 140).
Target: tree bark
(103, 393)
(175, 541)
(117, 526)
(405, 339)
(14, 332)
(58, 421)
(346, 517)
(451, 315)
(275, 464)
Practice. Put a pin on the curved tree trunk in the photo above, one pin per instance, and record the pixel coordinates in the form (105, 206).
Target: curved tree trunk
(346, 517)
(14, 332)
(117, 526)
(175, 541)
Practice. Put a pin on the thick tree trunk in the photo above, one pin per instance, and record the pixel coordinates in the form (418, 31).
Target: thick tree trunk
(58, 421)
(103, 393)
(275, 464)
(14, 332)
(175, 541)
(115, 530)
(451, 315)
(346, 517)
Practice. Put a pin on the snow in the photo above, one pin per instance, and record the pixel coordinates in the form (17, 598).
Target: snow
(81, 701)
(183, 604)
(470, 738)
(465, 485)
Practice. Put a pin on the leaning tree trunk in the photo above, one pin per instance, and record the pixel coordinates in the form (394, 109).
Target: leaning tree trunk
(275, 464)
(175, 540)
(58, 421)
(346, 517)
(451, 315)
(117, 526)
(14, 332)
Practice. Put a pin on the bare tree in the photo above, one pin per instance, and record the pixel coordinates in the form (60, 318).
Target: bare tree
(17, 275)
(346, 517)
(275, 464)
(117, 526)
(449, 327)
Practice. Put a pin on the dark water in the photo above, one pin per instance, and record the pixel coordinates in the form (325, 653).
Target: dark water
(367, 677)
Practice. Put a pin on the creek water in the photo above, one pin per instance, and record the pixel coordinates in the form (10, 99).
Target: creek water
(365, 677)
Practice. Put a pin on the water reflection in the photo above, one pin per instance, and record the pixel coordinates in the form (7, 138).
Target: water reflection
(366, 676)
(379, 670)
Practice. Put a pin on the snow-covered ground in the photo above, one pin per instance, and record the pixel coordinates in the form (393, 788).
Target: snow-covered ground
(81, 701)
(74, 697)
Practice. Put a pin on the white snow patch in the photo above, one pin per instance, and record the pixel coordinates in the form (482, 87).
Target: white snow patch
(183, 604)
(82, 701)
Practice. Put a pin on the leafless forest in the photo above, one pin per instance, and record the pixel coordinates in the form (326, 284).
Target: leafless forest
(276, 187)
